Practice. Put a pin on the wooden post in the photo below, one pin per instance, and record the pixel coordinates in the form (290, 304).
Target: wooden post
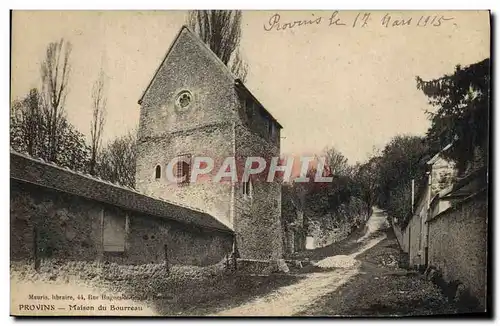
(412, 195)
(36, 254)
(101, 245)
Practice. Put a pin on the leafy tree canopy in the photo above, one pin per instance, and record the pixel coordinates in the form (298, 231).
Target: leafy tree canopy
(461, 100)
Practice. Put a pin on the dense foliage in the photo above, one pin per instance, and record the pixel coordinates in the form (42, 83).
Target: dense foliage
(462, 101)
(335, 207)
(30, 133)
(402, 160)
(116, 161)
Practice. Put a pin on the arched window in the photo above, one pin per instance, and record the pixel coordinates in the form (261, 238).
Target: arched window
(247, 188)
(158, 172)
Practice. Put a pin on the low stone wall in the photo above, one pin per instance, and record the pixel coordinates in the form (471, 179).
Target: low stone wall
(458, 245)
(262, 267)
(331, 228)
(47, 223)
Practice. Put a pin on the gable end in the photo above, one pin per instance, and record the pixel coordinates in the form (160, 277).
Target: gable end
(203, 46)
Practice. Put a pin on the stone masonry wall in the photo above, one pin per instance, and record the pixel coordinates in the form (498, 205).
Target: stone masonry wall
(203, 128)
(70, 228)
(257, 219)
(258, 225)
(458, 245)
(188, 67)
(443, 175)
(206, 127)
(209, 196)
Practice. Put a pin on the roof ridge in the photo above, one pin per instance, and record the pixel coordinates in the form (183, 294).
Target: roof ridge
(228, 70)
(200, 41)
(98, 179)
(211, 53)
(434, 158)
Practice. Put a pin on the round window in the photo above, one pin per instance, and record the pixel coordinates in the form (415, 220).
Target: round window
(184, 99)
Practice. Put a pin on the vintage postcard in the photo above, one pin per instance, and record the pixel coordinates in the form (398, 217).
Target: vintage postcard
(249, 163)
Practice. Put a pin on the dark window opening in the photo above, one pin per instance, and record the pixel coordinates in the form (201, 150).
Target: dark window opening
(184, 99)
(183, 168)
(272, 129)
(247, 188)
(158, 172)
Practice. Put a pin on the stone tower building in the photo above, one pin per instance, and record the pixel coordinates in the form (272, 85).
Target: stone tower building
(194, 107)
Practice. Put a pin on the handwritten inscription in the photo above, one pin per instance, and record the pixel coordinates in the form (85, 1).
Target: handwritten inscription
(360, 20)
(423, 21)
(274, 23)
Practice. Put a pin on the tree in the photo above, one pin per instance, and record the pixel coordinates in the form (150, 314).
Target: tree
(38, 122)
(71, 149)
(368, 180)
(98, 119)
(29, 134)
(336, 161)
(329, 207)
(26, 127)
(332, 197)
(239, 67)
(404, 158)
(117, 161)
(55, 71)
(221, 31)
(462, 115)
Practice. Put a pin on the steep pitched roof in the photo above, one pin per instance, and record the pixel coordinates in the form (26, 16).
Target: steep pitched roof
(237, 82)
(438, 155)
(27, 169)
(185, 29)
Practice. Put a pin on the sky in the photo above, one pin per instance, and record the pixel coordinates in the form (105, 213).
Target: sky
(329, 81)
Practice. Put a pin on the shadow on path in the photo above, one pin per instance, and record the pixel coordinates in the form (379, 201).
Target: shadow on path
(338, 269)
(381, 288)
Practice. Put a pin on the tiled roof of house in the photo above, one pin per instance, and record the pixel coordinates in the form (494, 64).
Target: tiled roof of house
(47, 174)
(439, 154)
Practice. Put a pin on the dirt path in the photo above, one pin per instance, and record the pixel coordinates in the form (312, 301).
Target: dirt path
(382, 288)
(295, 298)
